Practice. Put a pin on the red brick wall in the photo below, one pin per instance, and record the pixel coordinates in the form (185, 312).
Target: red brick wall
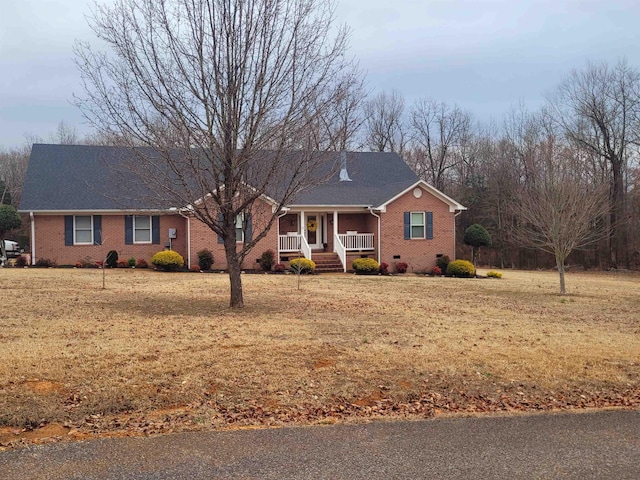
(419, 254)
(354, 222)
(49, 240)
(203, 237)
(289, 223)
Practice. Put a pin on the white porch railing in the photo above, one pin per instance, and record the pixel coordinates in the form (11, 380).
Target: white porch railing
(356, 241)
(305, 248)
(289, 243)
(294, 243)
(340, 250)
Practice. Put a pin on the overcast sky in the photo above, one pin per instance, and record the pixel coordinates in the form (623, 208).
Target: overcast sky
(484, 55)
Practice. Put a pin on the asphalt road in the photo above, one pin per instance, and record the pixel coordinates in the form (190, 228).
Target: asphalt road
(603, 445)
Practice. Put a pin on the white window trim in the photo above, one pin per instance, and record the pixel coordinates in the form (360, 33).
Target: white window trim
(423, 225)
(240, 238)
(75, 242)
(133, 226)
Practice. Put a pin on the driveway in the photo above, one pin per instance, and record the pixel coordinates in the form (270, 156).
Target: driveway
(604, 445)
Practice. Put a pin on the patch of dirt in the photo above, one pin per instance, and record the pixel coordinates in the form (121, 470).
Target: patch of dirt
(324, 362)
(14, 436)
(369, 400)
(169, 412)
(44, 387)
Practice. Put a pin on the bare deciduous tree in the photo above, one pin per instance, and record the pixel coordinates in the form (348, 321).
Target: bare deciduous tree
(438, 131)
(558, 208)
(598, 109)
(211, 84)
(338, 129)
(385, 130)
(65, 134)
(13, 167)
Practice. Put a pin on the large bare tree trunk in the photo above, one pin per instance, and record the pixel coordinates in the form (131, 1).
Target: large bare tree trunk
(560, 264)
(234, 267)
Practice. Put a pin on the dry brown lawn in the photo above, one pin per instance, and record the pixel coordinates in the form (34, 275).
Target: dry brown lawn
(157, 352)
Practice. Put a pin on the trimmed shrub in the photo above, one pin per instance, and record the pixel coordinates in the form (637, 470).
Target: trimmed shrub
(132, 262)
(112, 259)
(267, 260)
(443, 262)
(384, 268)
(476, 236)
(461, 268)
(84, 263)
(302, 265)
(365, 266)
(401, 267)
(167, 260)
(205, 259)
(435, 271)
(279, 268)
(142, 263)
(493, 274)
(44, 262)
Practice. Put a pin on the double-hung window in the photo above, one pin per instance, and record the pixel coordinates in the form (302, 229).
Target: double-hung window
(243, 228)
(417, 225)
(239, 229)
(83, 230)
(141, 229)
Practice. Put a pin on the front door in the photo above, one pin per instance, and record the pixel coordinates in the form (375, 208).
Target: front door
(315, 229)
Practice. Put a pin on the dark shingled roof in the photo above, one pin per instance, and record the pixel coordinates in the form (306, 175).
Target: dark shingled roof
(375, 178)
(83, 177)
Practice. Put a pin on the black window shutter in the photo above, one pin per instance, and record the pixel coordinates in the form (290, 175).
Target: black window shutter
(97, 229)
(155, 229)
(220, 239)
(249, 233)
(68, 230)
(128, 229)
(429, 216)
(407, 225)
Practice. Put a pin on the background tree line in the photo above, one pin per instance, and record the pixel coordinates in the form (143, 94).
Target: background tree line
(572, 164)
(559, 182)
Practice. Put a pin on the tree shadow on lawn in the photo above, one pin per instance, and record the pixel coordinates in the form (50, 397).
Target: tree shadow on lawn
(167, 304)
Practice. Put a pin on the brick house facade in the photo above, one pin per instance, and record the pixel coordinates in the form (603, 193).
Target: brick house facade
(380, 209)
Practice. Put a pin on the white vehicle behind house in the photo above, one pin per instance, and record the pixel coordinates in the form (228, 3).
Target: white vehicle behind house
(12, 249)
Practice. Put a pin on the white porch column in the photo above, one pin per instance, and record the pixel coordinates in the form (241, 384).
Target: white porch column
(303, 223)
(335, 223)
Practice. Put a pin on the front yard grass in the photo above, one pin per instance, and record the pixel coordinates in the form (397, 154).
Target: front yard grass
(158, 352)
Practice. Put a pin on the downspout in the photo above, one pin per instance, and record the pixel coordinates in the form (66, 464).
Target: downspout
(188, 238)
(379, 238)
(285, 210)
(455, 233)
(33, 238)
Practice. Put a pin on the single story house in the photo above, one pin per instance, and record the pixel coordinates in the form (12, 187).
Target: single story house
(374, 207)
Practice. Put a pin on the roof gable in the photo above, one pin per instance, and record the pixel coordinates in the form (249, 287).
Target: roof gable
(453, 205)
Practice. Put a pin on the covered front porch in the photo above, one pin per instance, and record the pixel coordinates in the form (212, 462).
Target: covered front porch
(346, 233)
